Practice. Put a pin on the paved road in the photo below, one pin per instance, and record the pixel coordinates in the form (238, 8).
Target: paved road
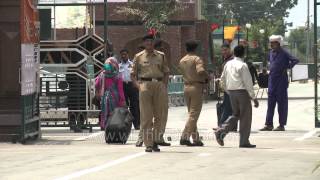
(279, 155)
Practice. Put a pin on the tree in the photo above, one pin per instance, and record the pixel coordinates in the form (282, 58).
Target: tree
(248, 11)
(154, 14)
(268, 15)
(297, 41)
(70, 17)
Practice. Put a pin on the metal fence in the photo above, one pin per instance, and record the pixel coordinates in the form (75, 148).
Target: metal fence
(175, 91)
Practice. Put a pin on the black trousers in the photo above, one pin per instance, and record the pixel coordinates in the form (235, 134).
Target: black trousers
(131, 94)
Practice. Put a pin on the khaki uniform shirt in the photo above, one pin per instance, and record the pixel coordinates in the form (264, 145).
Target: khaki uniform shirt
(150, 65)
(193, 69)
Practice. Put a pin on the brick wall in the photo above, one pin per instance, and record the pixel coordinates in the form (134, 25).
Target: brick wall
(130, 36)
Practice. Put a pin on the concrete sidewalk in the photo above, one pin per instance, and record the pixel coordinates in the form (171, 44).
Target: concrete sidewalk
(62, 154)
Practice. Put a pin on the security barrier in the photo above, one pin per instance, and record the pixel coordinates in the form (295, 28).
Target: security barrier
(175, 91)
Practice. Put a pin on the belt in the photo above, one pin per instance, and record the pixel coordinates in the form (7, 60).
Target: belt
(196, 82)
(151, 79)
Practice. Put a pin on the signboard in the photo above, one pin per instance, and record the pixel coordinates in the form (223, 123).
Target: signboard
(29, 68)
(300, 72)
(29, 23)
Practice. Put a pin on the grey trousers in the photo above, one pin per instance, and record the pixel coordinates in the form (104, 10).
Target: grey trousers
(241, 110)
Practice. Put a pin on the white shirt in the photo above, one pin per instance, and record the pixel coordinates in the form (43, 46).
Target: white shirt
(125, 70)
(236, 76)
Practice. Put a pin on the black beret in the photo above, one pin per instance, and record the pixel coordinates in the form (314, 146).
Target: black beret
(148, 37)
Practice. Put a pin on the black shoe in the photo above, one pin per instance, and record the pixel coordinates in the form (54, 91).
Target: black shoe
(155, 148)
(279, 128)
(185, 142)
(267, 128)
(248, 146)
(148, 149)
(197, 143)
(139, 143)
(164, 144)
(219, 138)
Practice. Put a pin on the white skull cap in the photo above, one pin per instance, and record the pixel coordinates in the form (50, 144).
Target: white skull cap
(276, 38)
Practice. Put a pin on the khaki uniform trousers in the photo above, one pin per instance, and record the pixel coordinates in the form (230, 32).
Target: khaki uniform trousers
(194, 96)
(153, 110)
(163, 123)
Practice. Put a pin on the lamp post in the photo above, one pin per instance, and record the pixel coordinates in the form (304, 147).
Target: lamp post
(315, 56)
(248, 26)
(263, 32)
(223, 19)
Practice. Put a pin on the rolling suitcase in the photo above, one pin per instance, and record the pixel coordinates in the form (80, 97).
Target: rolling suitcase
(118, 127)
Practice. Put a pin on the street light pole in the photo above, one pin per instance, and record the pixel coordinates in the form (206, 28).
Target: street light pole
(315, 56)
(265, 42)
(308, 34)
(248, 26)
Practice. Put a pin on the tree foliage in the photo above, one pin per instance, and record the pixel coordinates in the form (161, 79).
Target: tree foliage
(268, 15)
(70, 17)
(153, 14)
(248, 11)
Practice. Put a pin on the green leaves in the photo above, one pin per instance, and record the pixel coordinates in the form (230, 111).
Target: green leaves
(247, 11)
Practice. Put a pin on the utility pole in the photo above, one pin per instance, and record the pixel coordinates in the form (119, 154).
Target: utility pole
(315, 56)
(308, 34)
(105, 30)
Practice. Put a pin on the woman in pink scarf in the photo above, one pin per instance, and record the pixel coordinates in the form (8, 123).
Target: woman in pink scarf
(109, 87)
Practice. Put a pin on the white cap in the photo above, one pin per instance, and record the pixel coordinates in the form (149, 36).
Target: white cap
(276, 38)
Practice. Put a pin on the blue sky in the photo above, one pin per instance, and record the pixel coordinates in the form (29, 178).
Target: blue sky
(298, 15)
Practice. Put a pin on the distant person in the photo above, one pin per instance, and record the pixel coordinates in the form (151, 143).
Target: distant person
(253, 72)
(195, 77)
(109, 87)
(263, 78)
(280, 61)
(237, 82)
(131, 92)
(226, 104)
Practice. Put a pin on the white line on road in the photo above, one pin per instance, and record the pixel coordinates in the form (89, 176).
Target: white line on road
(101, 167)
(90, 136)
(307, 135)
(49, 136)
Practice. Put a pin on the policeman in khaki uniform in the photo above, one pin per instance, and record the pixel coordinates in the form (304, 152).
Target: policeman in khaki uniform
(150, 74)
(195, 78)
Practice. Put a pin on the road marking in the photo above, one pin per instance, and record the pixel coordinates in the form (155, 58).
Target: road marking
(307, 135)
(101, 167)
(49, 136)
(88, 137)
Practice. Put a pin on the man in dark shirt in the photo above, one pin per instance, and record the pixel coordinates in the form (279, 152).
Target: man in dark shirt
(253, 72)
(226, 104)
